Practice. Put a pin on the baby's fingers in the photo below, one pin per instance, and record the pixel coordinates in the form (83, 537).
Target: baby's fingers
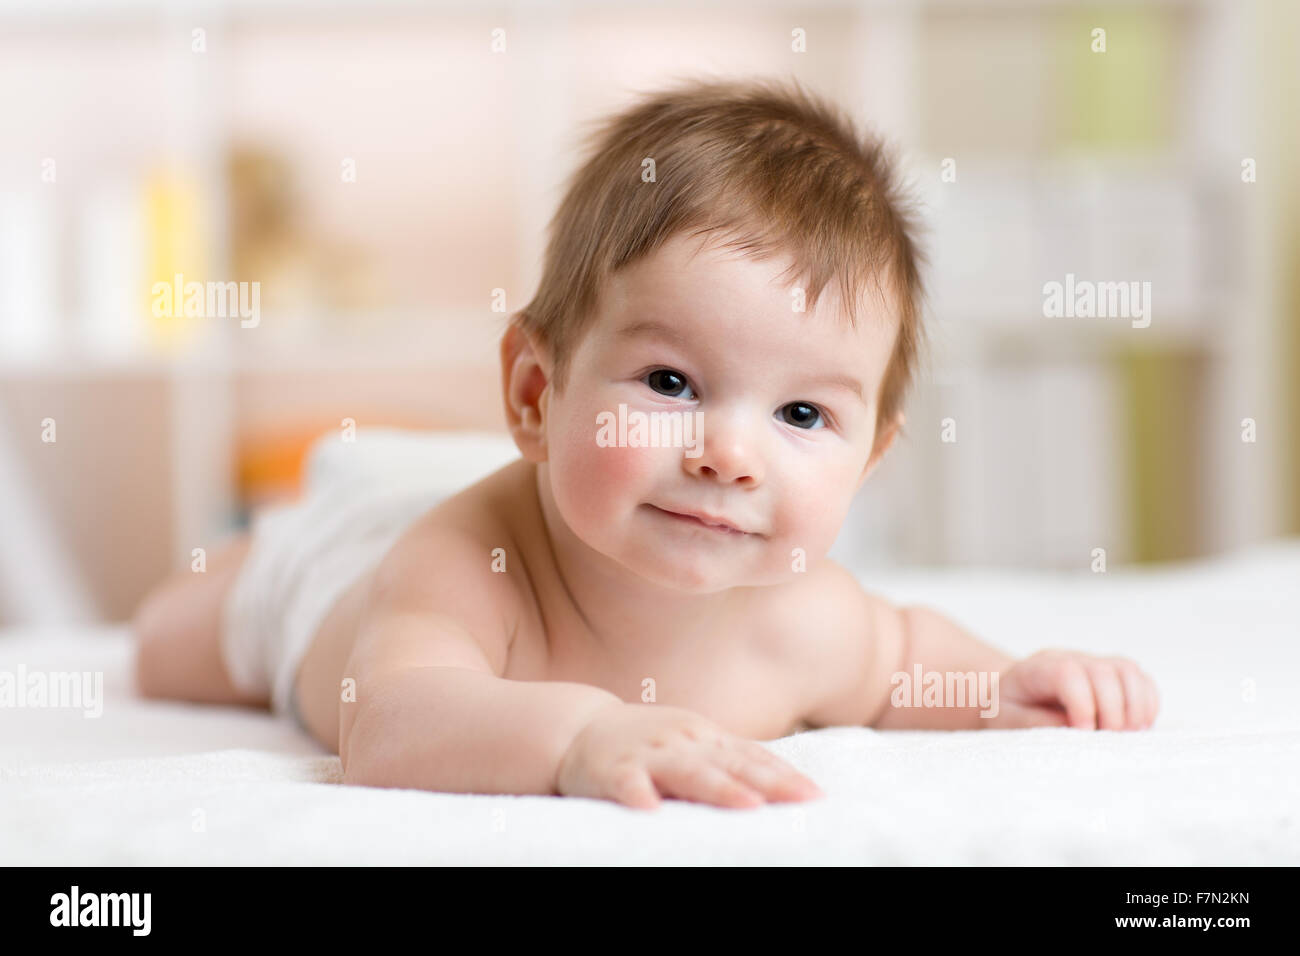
(1110, 695)
(1023, 716)
(631, 785)
(1139, 693)
(1059, 680)
(701, 779)
(770, 775)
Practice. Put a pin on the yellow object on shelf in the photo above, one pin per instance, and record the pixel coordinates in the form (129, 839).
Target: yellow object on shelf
(1117, 66)
(176, 257)
(1166, 434)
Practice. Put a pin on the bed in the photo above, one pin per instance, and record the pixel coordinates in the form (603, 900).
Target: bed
(1216, 781)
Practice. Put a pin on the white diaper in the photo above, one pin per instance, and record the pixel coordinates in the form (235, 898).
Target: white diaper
(357, 500)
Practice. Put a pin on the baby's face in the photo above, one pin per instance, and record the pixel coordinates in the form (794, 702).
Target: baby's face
(781, 406)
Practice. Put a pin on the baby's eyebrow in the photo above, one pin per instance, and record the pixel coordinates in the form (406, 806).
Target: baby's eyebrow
(846, 382)
(651, 328)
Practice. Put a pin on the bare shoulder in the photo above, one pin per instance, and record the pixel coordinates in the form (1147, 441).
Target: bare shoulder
(445, 572)
(844, 639)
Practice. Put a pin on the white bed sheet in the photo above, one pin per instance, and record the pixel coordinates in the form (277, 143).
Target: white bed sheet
(1217, 781)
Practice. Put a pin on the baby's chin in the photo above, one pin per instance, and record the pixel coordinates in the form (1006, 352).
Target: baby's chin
(680, 558)
(687, 570)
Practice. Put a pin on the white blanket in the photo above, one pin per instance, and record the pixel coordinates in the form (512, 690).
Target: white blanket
(1217, 781)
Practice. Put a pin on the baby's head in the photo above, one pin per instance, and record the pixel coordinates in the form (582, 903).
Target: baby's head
(689, 271)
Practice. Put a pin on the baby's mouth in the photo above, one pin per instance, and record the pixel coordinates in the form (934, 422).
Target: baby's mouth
(719, 525)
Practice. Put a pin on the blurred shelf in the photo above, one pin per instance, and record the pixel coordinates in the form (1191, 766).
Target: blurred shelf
(398, 341)
(77, 365)
(1093, 336)
(54, 10)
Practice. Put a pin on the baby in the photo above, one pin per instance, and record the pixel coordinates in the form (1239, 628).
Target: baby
(625, 610)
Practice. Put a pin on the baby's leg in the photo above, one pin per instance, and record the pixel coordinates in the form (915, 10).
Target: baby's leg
(178, 632)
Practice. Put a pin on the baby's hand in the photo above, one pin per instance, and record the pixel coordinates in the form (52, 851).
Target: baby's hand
(634, 753)
(1071, 689)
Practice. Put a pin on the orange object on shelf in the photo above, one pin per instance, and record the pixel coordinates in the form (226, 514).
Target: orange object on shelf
(270, 466)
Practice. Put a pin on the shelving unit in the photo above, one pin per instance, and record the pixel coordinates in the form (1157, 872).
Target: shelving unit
(1050, 199)
(1000, 366)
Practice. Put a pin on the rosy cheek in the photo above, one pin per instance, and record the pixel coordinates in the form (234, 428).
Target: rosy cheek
(599, 479)
(811, 509)
(609, 473)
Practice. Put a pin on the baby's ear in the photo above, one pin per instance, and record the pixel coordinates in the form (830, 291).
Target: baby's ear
(884, 440)
(524, 382)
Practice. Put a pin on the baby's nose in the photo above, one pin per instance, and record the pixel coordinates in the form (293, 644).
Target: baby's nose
(729, 453)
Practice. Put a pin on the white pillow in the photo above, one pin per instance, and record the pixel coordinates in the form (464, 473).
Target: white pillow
(440, 461)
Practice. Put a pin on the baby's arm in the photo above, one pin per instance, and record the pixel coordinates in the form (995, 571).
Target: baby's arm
(1049, 688)
(432, 710)
(920, 636)
(441, 720)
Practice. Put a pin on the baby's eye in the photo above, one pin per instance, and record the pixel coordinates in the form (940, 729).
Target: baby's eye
(667, 382)
(802, 415)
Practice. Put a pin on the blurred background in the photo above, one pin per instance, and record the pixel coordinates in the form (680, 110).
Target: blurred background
(385, 171)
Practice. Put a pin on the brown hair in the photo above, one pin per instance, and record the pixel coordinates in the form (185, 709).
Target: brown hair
(768, 164)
